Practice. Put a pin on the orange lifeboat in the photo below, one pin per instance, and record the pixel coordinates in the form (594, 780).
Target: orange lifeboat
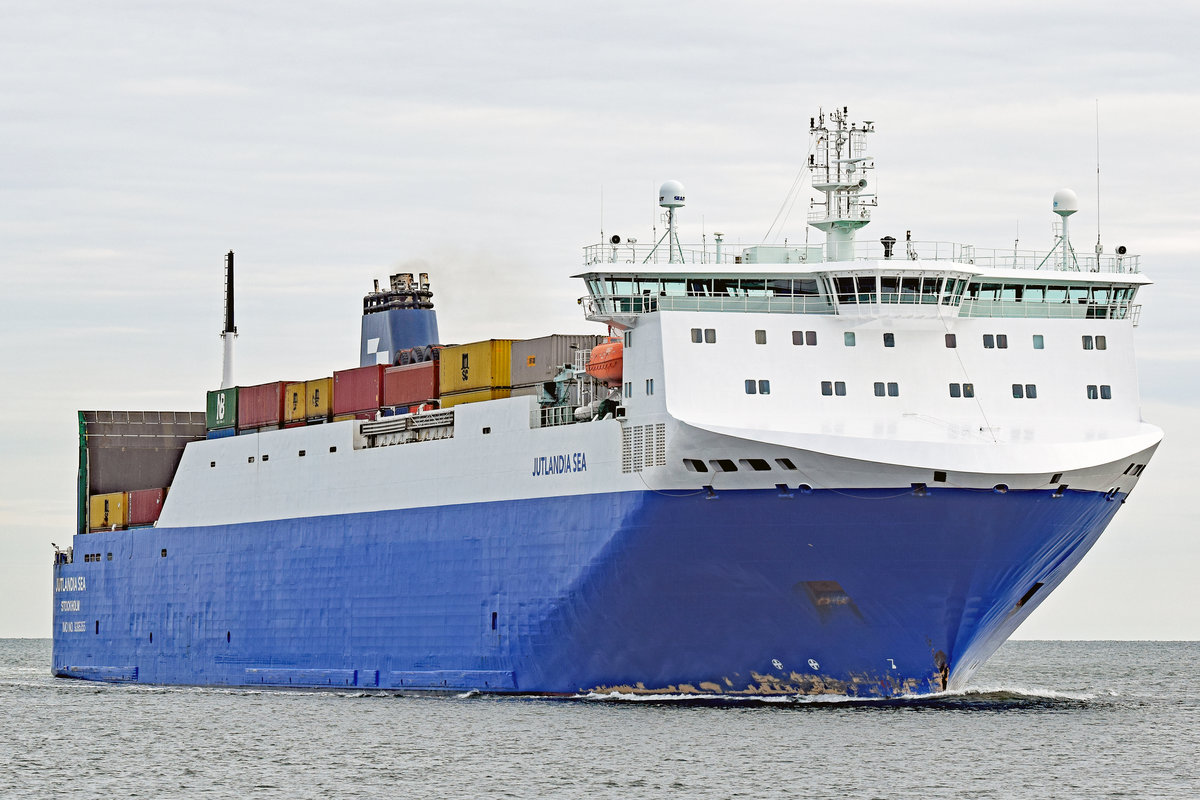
(605, 362)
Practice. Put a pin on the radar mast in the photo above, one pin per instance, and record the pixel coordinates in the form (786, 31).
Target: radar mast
(838, 165)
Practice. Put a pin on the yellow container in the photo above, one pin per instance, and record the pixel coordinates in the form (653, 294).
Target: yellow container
(479, 365)
(295, 404)
(108, 510)
(475, 396)
(319, 397)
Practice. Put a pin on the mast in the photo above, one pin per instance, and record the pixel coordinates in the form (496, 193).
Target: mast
(229, 332)
(838, 164)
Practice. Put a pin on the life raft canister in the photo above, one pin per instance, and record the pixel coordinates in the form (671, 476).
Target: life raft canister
(605, 362)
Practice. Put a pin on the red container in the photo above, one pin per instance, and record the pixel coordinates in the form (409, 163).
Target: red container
(412, 383)
(356, 390)
(145, 505)
(262, 405)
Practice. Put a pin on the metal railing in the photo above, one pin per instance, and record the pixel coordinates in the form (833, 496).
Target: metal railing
(618, 305)
(629, 255)
(1037, 310)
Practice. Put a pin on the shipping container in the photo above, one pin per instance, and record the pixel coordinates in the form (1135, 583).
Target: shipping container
(108, 510)
(479, 365)
(221, 433)
(295, 408)
(262, 405)
(475, 396)
(536, 360)
(358, 389)
(222, 408)
(318, 394)
(412, 383)
(145, 505)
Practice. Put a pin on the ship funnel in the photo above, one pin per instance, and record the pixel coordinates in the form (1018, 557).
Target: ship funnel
(398, 318)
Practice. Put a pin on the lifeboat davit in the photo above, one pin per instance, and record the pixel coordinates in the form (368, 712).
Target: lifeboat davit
(605, 362)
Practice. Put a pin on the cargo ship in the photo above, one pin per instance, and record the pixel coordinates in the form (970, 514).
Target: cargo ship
(848, 468)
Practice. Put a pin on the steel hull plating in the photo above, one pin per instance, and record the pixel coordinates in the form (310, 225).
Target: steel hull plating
(864, 592)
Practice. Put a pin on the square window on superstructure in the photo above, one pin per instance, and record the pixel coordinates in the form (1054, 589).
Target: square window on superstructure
(827, 388)
(955, 390)
(951, 340)
(628, 338)
(710, 335)
(764, 387)
(1018, 391)
(760, 337)
(968, 390)
(1039, 343)
(810, 338)
(1101, 343)
(848, 338)
(880, 391)
(889, 340)
(697, 336)
(798, 337)
(1031, 391)
(750, 386)
(1087, 343)
(1105, 392)
(989, 341)
(839, 388)
(1001, 341)
(893, 389)
(1093, 391)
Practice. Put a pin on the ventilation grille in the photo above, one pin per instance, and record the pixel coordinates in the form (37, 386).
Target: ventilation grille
(643, 446)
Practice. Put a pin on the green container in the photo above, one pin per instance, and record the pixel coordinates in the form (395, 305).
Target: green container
(222, 409)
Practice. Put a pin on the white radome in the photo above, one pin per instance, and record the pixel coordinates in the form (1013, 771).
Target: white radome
(671, 195)
(1066, 202)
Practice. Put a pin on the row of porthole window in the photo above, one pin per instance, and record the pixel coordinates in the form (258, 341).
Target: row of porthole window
(729, 465)
(892, 389)
(267, 457)
(991, 341)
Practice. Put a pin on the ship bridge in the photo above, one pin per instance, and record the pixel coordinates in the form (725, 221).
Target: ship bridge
(931, 279)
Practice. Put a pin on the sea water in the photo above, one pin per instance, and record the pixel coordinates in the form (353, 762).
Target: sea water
(1041, 720)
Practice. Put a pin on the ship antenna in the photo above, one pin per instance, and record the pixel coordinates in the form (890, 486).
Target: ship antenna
(1099, 247)
(229, 333)
(670, 197)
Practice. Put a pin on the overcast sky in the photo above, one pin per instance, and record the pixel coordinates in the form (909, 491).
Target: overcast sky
(330, 144)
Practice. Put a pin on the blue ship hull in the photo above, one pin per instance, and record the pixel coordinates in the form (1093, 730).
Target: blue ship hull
(861, 592)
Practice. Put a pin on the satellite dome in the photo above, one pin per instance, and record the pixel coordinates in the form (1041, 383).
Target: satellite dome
(671, 195)
(1066, 202)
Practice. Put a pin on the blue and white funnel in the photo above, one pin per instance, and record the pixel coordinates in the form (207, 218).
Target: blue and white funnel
(397, 319)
